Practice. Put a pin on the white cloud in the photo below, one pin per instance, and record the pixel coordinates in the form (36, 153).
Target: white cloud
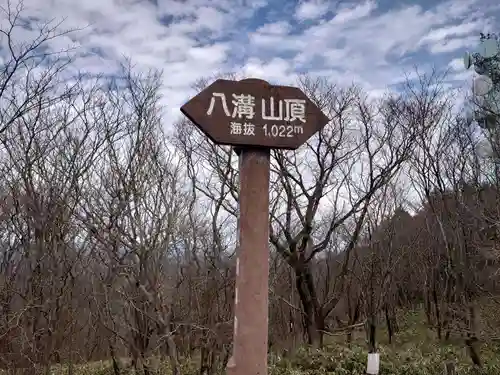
(364, 42)
(449, 38)
(436, 35)
(312, 9)
(349, 14)
(275, 71)
(451, 45)
(277, 28)
(213, 54)
(456, 65)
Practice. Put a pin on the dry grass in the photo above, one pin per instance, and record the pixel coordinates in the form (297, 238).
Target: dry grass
(414, 351)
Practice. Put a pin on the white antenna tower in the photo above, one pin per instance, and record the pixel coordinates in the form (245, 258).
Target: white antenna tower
(486, 85)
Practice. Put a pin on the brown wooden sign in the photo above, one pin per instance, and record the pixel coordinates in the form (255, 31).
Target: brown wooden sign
(252, 112)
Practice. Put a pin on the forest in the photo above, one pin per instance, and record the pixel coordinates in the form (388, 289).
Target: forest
(118, 230)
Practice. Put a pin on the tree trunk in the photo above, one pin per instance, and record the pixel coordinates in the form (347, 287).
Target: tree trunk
(314, 323)
(165, 329)
(349, 337)
(428, 308)
(438, 314)
(372, 332)
(354, 315)
(204, 361)
(449, 368)
(173, 357)
(388, 322)
(471, 341)
(114, 359)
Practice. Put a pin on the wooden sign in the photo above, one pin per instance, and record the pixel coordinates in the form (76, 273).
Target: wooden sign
(254, 113)
(255, 117)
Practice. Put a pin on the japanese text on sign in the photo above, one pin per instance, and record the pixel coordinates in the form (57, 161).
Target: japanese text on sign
(244, 129)
(244, 107)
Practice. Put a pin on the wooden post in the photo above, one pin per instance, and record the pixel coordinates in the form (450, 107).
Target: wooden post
(252, 266)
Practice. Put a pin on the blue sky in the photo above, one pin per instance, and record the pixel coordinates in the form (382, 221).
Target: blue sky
(371, 43)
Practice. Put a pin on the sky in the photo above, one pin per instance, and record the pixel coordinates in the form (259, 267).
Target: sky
(372, 43)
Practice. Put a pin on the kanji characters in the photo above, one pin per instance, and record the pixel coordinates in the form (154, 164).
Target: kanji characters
(295, 109)
(271, 116)
(289, 110)
(244, 106)
(248, 129)
(237, 128)
(222, 97)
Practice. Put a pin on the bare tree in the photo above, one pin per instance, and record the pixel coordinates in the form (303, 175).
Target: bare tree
(354, 157)
(377, 259)
(132, 209)
(211, 257)
(30, 74)
(303, 181)
(459, 226)
(47, 153)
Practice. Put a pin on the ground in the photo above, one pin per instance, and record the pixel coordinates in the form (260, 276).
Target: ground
(414, 351)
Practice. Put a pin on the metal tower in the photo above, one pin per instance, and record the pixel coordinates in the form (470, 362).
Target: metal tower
(486, 84)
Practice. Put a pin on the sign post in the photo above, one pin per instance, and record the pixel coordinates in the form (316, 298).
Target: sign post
(254, 117)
